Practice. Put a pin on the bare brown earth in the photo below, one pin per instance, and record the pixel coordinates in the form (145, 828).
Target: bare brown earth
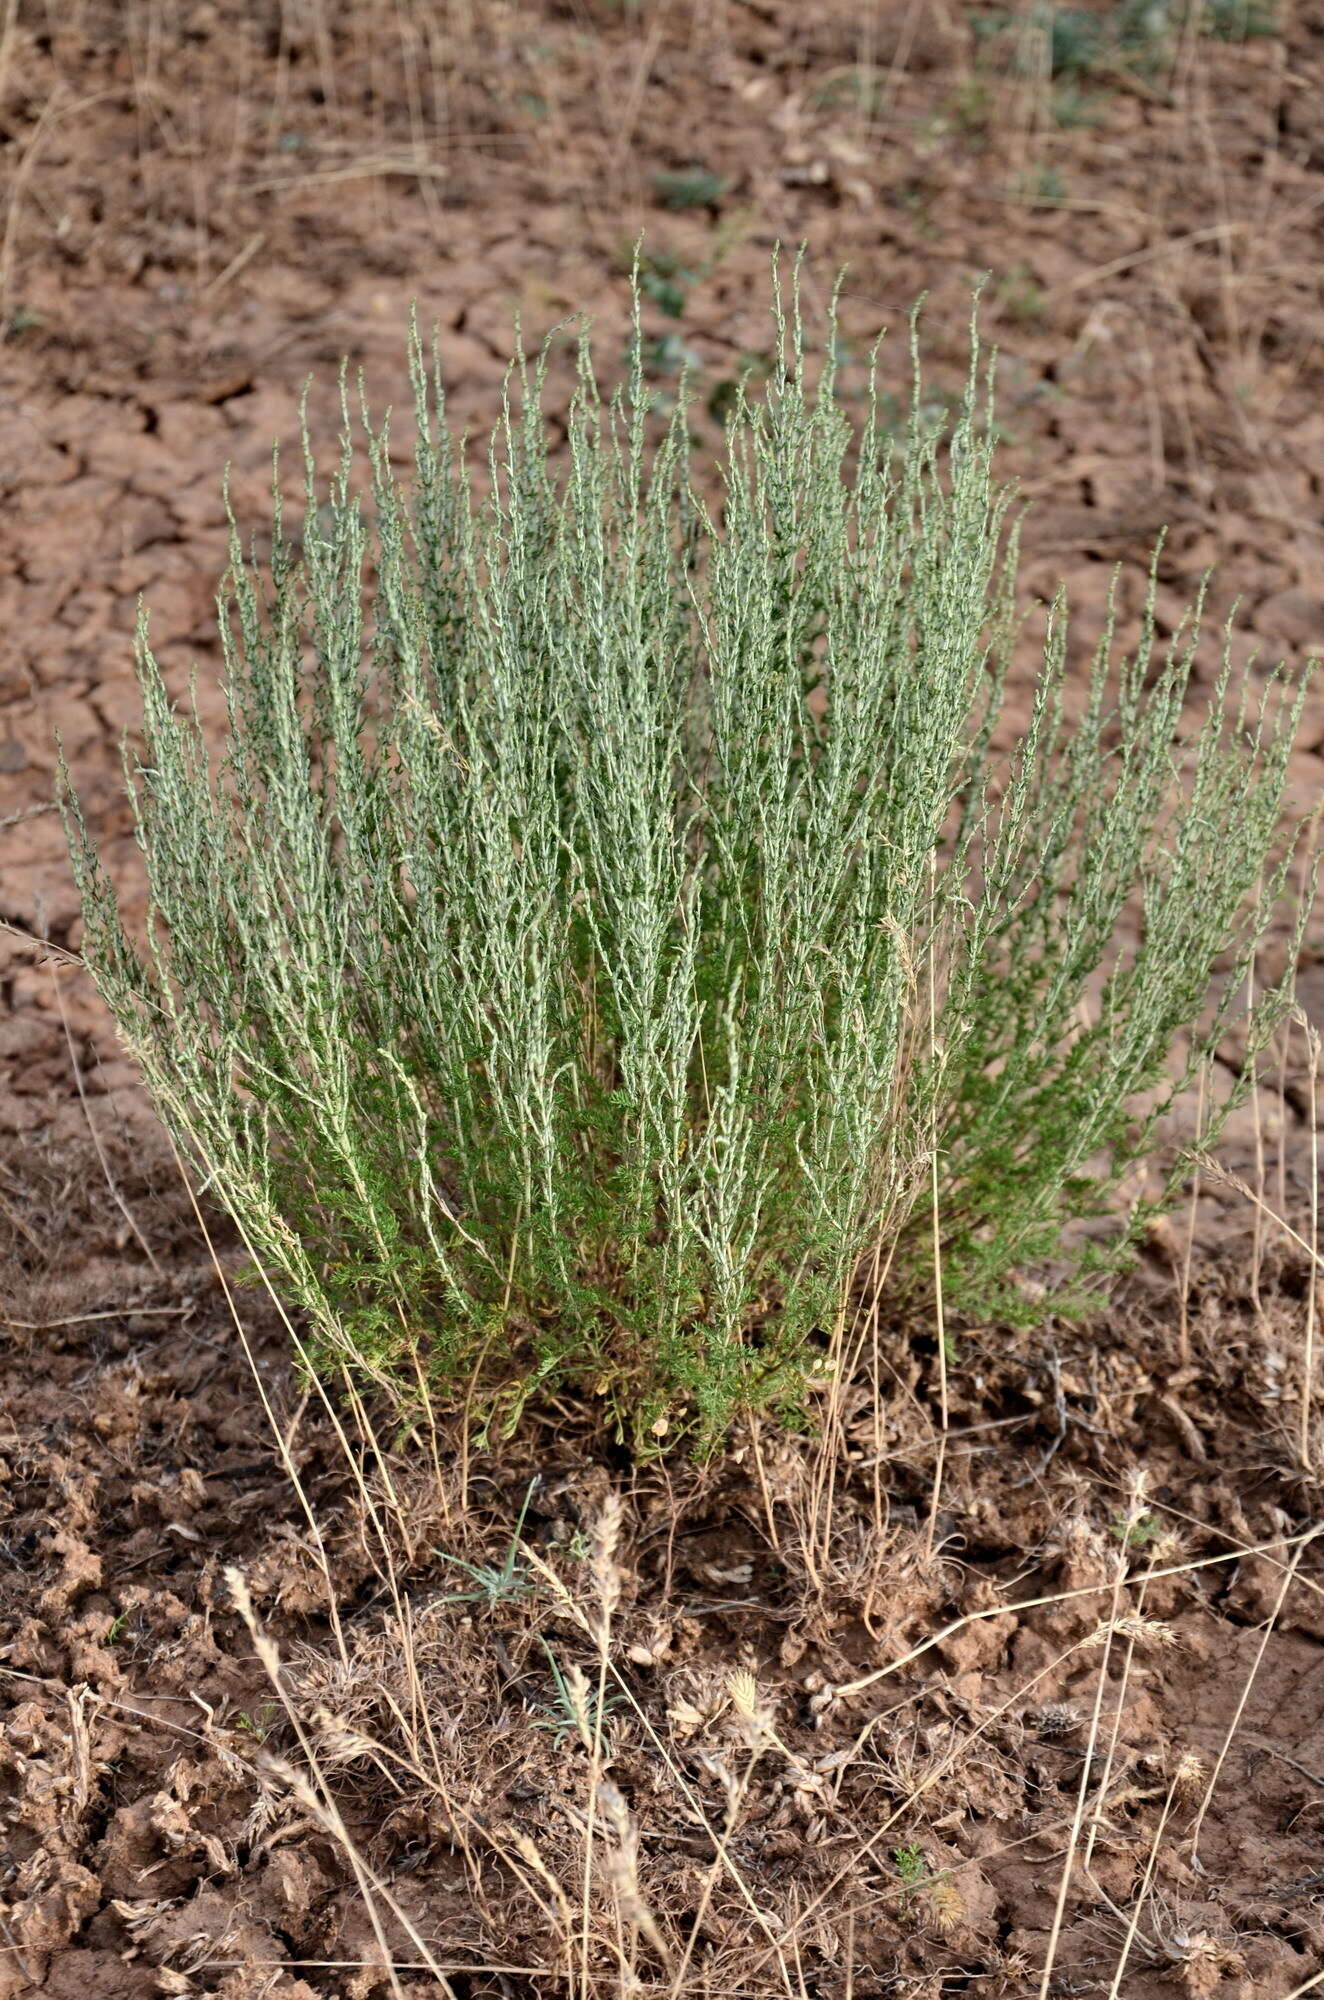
(204, 203)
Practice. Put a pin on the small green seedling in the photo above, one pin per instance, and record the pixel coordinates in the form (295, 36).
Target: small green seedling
(1019, 294)
(725, 396)
(495, 1583)
(924, 1894)
(910, 1863)
(21, 320)
(668, 354)
(690, 187)
(1135, 1531)
(913, 1870)
(257, 1726)
(665, 280)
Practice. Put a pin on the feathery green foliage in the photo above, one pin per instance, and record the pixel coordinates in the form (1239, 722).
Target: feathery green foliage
(570, 967)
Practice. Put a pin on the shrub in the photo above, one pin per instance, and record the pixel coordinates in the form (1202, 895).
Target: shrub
(569, 971)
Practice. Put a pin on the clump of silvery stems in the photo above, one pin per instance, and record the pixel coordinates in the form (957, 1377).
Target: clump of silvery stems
(607, 929)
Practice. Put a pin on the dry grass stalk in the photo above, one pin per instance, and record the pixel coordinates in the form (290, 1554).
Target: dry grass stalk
(1288, 1578)
(314, 1794)
(1312, 1280)
(1104, 1636)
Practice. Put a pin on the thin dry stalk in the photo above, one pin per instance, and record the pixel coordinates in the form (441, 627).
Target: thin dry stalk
(1219, 1172)
(769, 1515)
(1257, 1213)
(896, 69)
(1242, 1548)
(607, 1592)
(1185, 51)
(1078, 1817)
(235, 266)
(43, 950)
(1181, 1779)
(200, 181)
(816, 1542)
(1030, 110)
(116, 1194)
(940, 1321)
(1312, 1282)
(1137, 1507)
(558, 1911)
(845, 1688)
(944, 1411)
(317, 1799)
(845, 1358)
(736, 1795)
(83, 1319)
(417, 121)
(1266, 1632)
(627, 123)
(876, 1385)
(291, 1470)
(1284, 1044)
(1184, 1301)
(7, 27)
(1152, 253)
(465, 1967)
(1158, 459)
